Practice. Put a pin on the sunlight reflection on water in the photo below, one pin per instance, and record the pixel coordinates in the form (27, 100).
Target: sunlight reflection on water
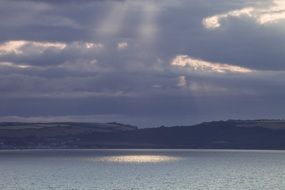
(142, 170)
(139, 159)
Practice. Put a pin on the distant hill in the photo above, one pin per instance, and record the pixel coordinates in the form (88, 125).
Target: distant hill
(231, 134)
(21, 130)
(264, 123)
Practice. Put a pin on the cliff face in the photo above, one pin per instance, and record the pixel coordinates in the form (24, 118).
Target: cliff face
(232, 134)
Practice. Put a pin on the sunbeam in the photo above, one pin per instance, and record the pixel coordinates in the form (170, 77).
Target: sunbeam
(148, 28)
(113, 22)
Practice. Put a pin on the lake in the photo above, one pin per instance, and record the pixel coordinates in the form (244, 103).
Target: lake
(142, 170)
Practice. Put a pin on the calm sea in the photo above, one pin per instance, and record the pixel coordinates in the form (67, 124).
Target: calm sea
(142, 170)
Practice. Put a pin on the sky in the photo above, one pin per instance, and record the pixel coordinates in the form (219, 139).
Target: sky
(142, 62)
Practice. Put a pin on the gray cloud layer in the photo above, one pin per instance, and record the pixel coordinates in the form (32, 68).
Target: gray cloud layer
(144, 62)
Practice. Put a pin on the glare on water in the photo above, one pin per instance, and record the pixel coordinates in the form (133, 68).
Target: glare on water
(139, 158)
(142, 169)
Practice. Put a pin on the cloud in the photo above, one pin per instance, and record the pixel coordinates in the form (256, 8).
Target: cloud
(13, 65)
(22, 46)
(122, 45)
(48, 54)
(182, 82)
(215, 21)
(90, 45)
(194, 64)
(140, 58)
(81, 65)
(19, 47)
(272, 14)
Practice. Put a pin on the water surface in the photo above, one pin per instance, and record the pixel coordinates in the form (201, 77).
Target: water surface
(142, 169)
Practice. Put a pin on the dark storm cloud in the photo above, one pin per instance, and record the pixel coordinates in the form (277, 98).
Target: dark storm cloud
(140, 61)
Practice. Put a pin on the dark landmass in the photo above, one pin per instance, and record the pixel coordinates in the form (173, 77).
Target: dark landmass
(231, 134)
